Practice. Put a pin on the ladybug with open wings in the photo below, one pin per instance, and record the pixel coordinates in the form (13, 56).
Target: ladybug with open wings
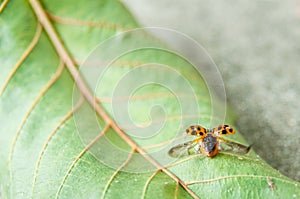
(209, 143)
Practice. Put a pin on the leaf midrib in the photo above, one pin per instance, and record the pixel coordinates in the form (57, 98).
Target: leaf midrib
(65, 56)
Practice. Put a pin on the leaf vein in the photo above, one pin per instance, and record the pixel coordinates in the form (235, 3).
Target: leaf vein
(61, 50)
(78, 158)
(159, 120)
(149, 96)
(63, 121)
(238, 176)
(114, 63)
(116, 172)
(77, 22)
(3, 4)
(176, 190)
(32, 106)
(148, 182)
(163, 143)
(23, 57)
(183, 160)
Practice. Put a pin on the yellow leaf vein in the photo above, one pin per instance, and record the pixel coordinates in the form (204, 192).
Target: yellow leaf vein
(237, 176)
(3, 4)
(176, 190)
(32, 106)
(65, 56)
(78, 158)
(116, 172)
(63, 121)
(148, 182)
(23, 57)
(77, 22)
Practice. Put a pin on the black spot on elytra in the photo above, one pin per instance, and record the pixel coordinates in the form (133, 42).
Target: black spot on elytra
(224, 132)
(198, 128)
(230, 130)
(219, 127)
(201, 133)
(187, 131)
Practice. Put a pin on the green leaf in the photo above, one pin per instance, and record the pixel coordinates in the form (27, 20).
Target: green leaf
(50, 144)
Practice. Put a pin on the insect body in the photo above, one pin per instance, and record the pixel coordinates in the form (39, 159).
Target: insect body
(208, 143)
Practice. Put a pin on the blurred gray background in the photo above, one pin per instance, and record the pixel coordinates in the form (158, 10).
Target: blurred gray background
(256, 45)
